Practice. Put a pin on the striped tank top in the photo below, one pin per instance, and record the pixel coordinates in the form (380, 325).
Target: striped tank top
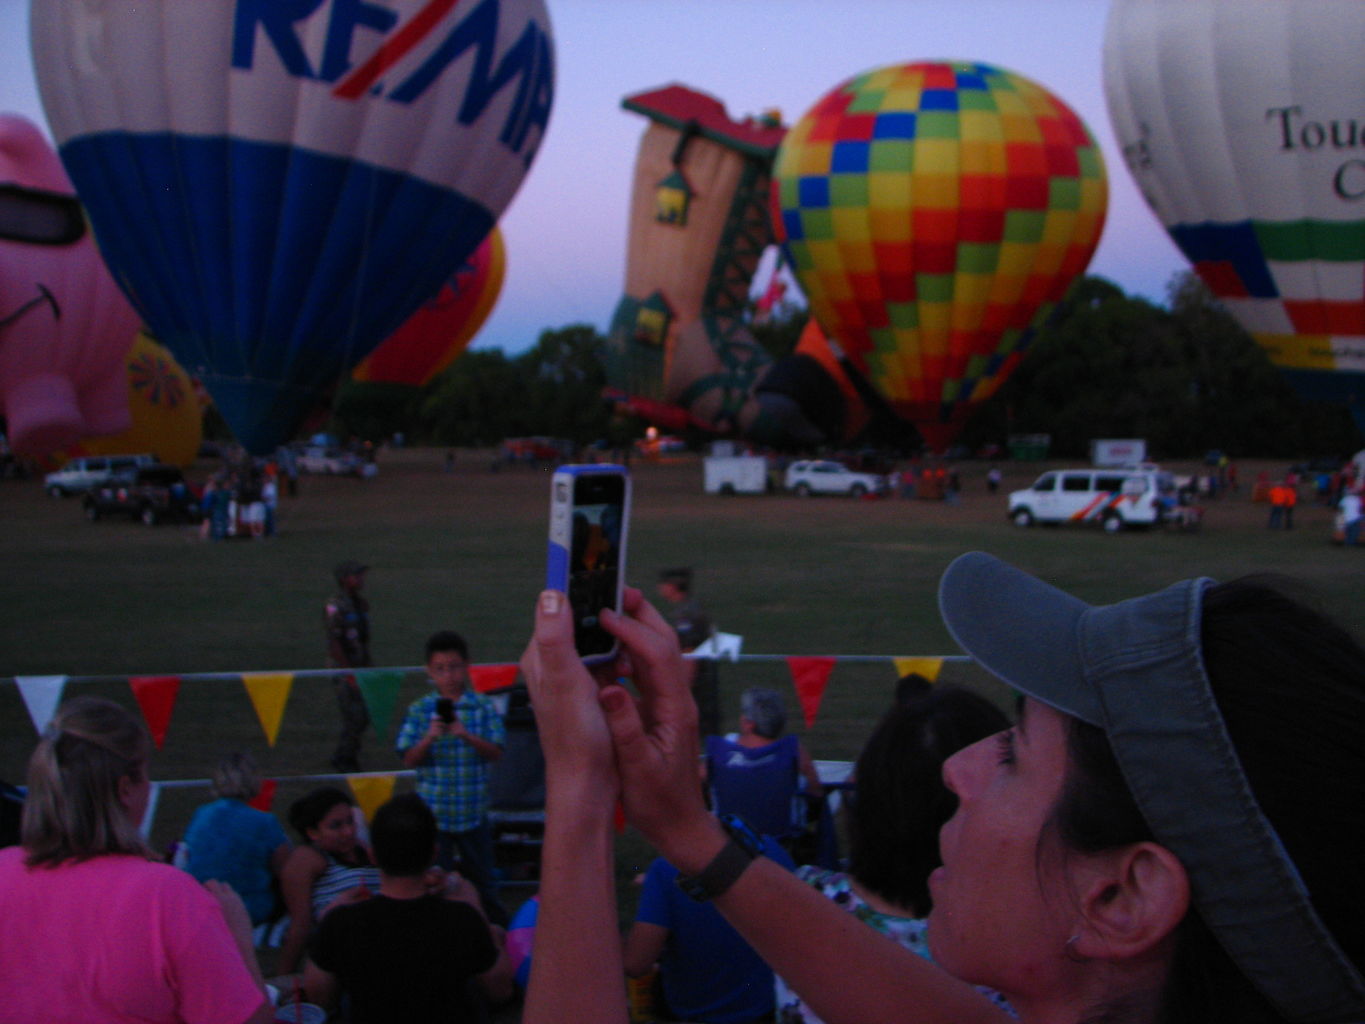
(337, 877)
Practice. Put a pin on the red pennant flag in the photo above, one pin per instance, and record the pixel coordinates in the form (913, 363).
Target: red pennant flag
(487, 678)
(156, 696)
(265, 799)
(809, 676)
(618, 818)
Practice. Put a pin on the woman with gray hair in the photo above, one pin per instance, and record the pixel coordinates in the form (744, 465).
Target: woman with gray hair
(757, 773)
(235, 843)
(95, 928)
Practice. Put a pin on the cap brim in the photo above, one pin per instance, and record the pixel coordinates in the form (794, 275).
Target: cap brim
(1020, 629)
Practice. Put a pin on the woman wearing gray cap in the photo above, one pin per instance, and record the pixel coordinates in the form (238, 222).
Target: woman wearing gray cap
(1170, 833)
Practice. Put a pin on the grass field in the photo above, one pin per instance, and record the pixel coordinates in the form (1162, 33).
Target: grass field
(465, 550)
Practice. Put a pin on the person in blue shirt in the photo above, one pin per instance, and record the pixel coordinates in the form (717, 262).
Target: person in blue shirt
(238, 844)
(710, 974)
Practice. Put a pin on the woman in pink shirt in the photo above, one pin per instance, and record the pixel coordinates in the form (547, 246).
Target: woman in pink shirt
(94, 927)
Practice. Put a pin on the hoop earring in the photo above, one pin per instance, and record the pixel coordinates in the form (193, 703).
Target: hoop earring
(1070, 950)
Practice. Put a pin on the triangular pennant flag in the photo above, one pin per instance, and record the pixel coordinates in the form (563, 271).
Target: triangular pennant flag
(380, 690)
(265, 799)
(809, 676)
(41, 696)
(149, 815)
(929, 668)
(371, 791)
(487, 678)
(721, 646)
(618, 818)
(156, 696)
(269, 692)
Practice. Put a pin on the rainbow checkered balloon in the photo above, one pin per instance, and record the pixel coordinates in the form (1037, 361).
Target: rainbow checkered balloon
(935, 213)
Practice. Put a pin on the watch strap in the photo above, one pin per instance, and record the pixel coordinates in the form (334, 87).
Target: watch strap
(740, 849)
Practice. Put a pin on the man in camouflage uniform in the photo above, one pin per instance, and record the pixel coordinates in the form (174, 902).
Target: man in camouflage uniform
(347, 621)
(693, 627)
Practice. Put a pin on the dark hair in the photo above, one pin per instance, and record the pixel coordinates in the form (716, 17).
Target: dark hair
(911, 686)
(447, 640)
(308, 810)
(1290, 684)
(403, 836)
(899, 799)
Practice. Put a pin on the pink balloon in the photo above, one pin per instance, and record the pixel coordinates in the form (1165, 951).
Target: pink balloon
(64, 325)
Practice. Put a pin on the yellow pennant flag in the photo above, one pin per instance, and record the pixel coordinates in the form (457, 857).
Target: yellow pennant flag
(269, 692)
(371, 791)
(927, 667)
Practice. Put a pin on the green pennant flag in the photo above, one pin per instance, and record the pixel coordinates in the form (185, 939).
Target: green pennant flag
(380, 690)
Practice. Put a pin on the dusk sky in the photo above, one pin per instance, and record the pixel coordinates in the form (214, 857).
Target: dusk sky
(566, 229)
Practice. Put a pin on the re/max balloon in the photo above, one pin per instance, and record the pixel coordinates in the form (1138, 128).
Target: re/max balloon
(433, 337)
(935, 213)
(64, 324)
(278, 186)
(1242, 122)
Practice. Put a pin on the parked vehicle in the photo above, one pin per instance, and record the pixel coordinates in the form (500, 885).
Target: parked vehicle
(87, 471)
(1114, 498)
(154, 494)
(735, 474)
(331, 461)
(821, 476)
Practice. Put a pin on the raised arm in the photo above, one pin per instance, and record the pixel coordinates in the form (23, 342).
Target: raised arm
(807, 939)
(576, 975)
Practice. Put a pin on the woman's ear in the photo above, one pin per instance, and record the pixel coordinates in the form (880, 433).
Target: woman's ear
(1132, 900)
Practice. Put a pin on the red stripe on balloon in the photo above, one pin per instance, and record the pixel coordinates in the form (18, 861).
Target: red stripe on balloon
(354, 84)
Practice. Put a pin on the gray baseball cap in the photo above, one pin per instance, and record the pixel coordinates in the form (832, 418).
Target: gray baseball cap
(1135, 669)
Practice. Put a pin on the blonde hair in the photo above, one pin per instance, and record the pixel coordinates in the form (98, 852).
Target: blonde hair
(236, 777)
(73, 810)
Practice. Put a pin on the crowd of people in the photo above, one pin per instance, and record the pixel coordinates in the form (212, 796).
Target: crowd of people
(1165, 833)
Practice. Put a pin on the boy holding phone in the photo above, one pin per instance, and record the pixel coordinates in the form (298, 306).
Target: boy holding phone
(450, 738)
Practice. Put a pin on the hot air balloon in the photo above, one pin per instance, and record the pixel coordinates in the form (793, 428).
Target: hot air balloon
(679, 351)
(434, 336)
(1241, 122)
(935, 213)
(168, 418)
(279, 186)
(64, 324)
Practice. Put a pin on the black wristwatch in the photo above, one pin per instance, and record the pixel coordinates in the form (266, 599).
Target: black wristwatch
(739, 851)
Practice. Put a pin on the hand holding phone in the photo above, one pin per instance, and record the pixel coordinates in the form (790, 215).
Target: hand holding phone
(589, 514)
(445, 710)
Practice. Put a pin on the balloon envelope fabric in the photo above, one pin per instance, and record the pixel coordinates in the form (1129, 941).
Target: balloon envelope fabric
(935, 213)
(1241, 124)
(278, 186)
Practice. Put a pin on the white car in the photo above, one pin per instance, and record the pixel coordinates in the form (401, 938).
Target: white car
(87, 471)
(327, 460)
(821, 476)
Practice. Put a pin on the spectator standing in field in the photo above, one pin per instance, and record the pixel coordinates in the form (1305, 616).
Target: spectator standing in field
(346, 618)
(452, 737)
(94, 928)
(693, 626)
(408, 953)
(1351, 511)
(237, 844)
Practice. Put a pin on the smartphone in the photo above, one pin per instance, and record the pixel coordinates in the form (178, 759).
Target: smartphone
(589, 513)
(445, 710)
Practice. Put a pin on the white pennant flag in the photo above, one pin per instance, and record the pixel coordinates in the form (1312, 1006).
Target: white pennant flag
(41, 696)
(721, 646)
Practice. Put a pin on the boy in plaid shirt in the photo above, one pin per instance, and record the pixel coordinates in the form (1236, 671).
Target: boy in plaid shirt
(451, 737)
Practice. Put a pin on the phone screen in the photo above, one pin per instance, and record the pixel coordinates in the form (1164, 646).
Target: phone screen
(596, 530)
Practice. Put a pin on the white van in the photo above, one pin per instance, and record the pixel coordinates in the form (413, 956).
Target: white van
(87, 471)
(1114, 498)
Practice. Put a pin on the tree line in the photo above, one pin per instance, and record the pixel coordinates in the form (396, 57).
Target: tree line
(1184, 376)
